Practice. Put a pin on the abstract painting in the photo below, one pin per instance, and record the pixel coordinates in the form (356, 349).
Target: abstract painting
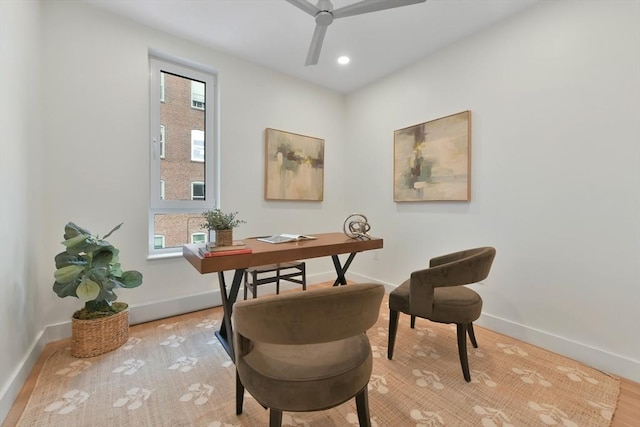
(294, 166)
(432, 160)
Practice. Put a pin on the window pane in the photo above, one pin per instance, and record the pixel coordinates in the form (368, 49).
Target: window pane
(184, 163)
(177, 229)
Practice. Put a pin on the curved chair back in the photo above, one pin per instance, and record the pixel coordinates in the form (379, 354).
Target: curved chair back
(455, 269)
(309, 317)
(468, 266)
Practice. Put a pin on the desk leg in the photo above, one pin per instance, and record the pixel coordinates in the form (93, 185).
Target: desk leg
(340, 271)
(225, 334)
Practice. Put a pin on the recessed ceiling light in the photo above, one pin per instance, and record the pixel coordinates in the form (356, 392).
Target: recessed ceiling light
(344, 60)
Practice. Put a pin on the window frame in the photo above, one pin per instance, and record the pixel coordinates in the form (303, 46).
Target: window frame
(158, 63)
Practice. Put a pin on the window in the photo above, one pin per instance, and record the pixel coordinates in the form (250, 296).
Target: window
(199, 238)
(197, 191)
(197, 146)
(162, 152)
(161, 87)
(197, 95)
(158, 242)
(182, 180)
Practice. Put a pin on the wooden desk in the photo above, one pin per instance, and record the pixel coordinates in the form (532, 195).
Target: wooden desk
(328, 244)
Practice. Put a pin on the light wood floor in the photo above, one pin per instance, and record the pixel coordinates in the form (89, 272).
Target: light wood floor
(627, 412)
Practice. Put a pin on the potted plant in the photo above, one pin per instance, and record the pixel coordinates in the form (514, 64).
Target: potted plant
(89, 269)
(222, 224)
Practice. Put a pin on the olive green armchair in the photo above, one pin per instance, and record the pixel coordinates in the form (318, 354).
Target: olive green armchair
(437, 294)
(306, 351)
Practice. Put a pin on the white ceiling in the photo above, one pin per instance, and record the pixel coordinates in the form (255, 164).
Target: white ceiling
(276, 34)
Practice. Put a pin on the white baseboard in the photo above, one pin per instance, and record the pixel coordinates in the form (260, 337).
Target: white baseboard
(19, 376)
(596, 358)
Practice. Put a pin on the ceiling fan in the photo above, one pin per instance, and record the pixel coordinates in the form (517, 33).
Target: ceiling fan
(325, 14)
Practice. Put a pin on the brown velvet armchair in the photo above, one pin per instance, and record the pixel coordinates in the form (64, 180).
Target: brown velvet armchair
(437, 294)
(306, 351)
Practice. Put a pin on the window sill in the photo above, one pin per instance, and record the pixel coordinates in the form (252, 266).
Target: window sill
(152, 257)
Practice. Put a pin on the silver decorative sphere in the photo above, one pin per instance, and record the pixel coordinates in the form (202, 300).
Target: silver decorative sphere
(356, 226)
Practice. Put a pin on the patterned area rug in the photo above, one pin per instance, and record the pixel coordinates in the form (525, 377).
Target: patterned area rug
(175, 373)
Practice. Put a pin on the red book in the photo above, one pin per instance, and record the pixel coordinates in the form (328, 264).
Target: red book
(207, 254)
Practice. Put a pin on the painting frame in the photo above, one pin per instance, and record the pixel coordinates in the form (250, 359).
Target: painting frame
(432, 160)
(294, 166)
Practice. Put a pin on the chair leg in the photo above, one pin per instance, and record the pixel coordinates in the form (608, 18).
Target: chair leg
(278, 281)
(239, 394)
(413, 322)
(472, 335)
(246, 283)
(275, 417)
(393, 328)
(254, 286)
(362, 404)
(462, 349)
(304, 276)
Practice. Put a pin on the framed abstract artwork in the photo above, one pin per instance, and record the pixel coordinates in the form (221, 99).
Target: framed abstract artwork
(432, 160)
(294, 166)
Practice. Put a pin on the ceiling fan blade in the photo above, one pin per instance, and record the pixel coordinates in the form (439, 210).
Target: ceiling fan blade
(367, 6)
(305, 6)
(316, 45)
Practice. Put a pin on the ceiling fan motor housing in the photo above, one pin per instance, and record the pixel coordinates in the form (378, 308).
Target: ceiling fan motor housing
(324, 18)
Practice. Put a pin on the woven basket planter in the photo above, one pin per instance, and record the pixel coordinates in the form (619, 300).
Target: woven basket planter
(94, 337)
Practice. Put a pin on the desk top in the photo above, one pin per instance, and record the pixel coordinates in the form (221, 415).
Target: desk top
(325, 244)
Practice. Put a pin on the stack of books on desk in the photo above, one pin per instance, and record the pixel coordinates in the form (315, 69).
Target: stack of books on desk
(237, 248)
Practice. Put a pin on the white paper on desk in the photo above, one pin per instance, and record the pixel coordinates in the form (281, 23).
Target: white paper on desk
(283, 238)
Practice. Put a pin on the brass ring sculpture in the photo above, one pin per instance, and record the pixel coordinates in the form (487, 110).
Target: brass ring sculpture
(356, 226)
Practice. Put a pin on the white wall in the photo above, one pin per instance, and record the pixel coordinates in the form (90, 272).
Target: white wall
(555, 101)
(20, 211)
